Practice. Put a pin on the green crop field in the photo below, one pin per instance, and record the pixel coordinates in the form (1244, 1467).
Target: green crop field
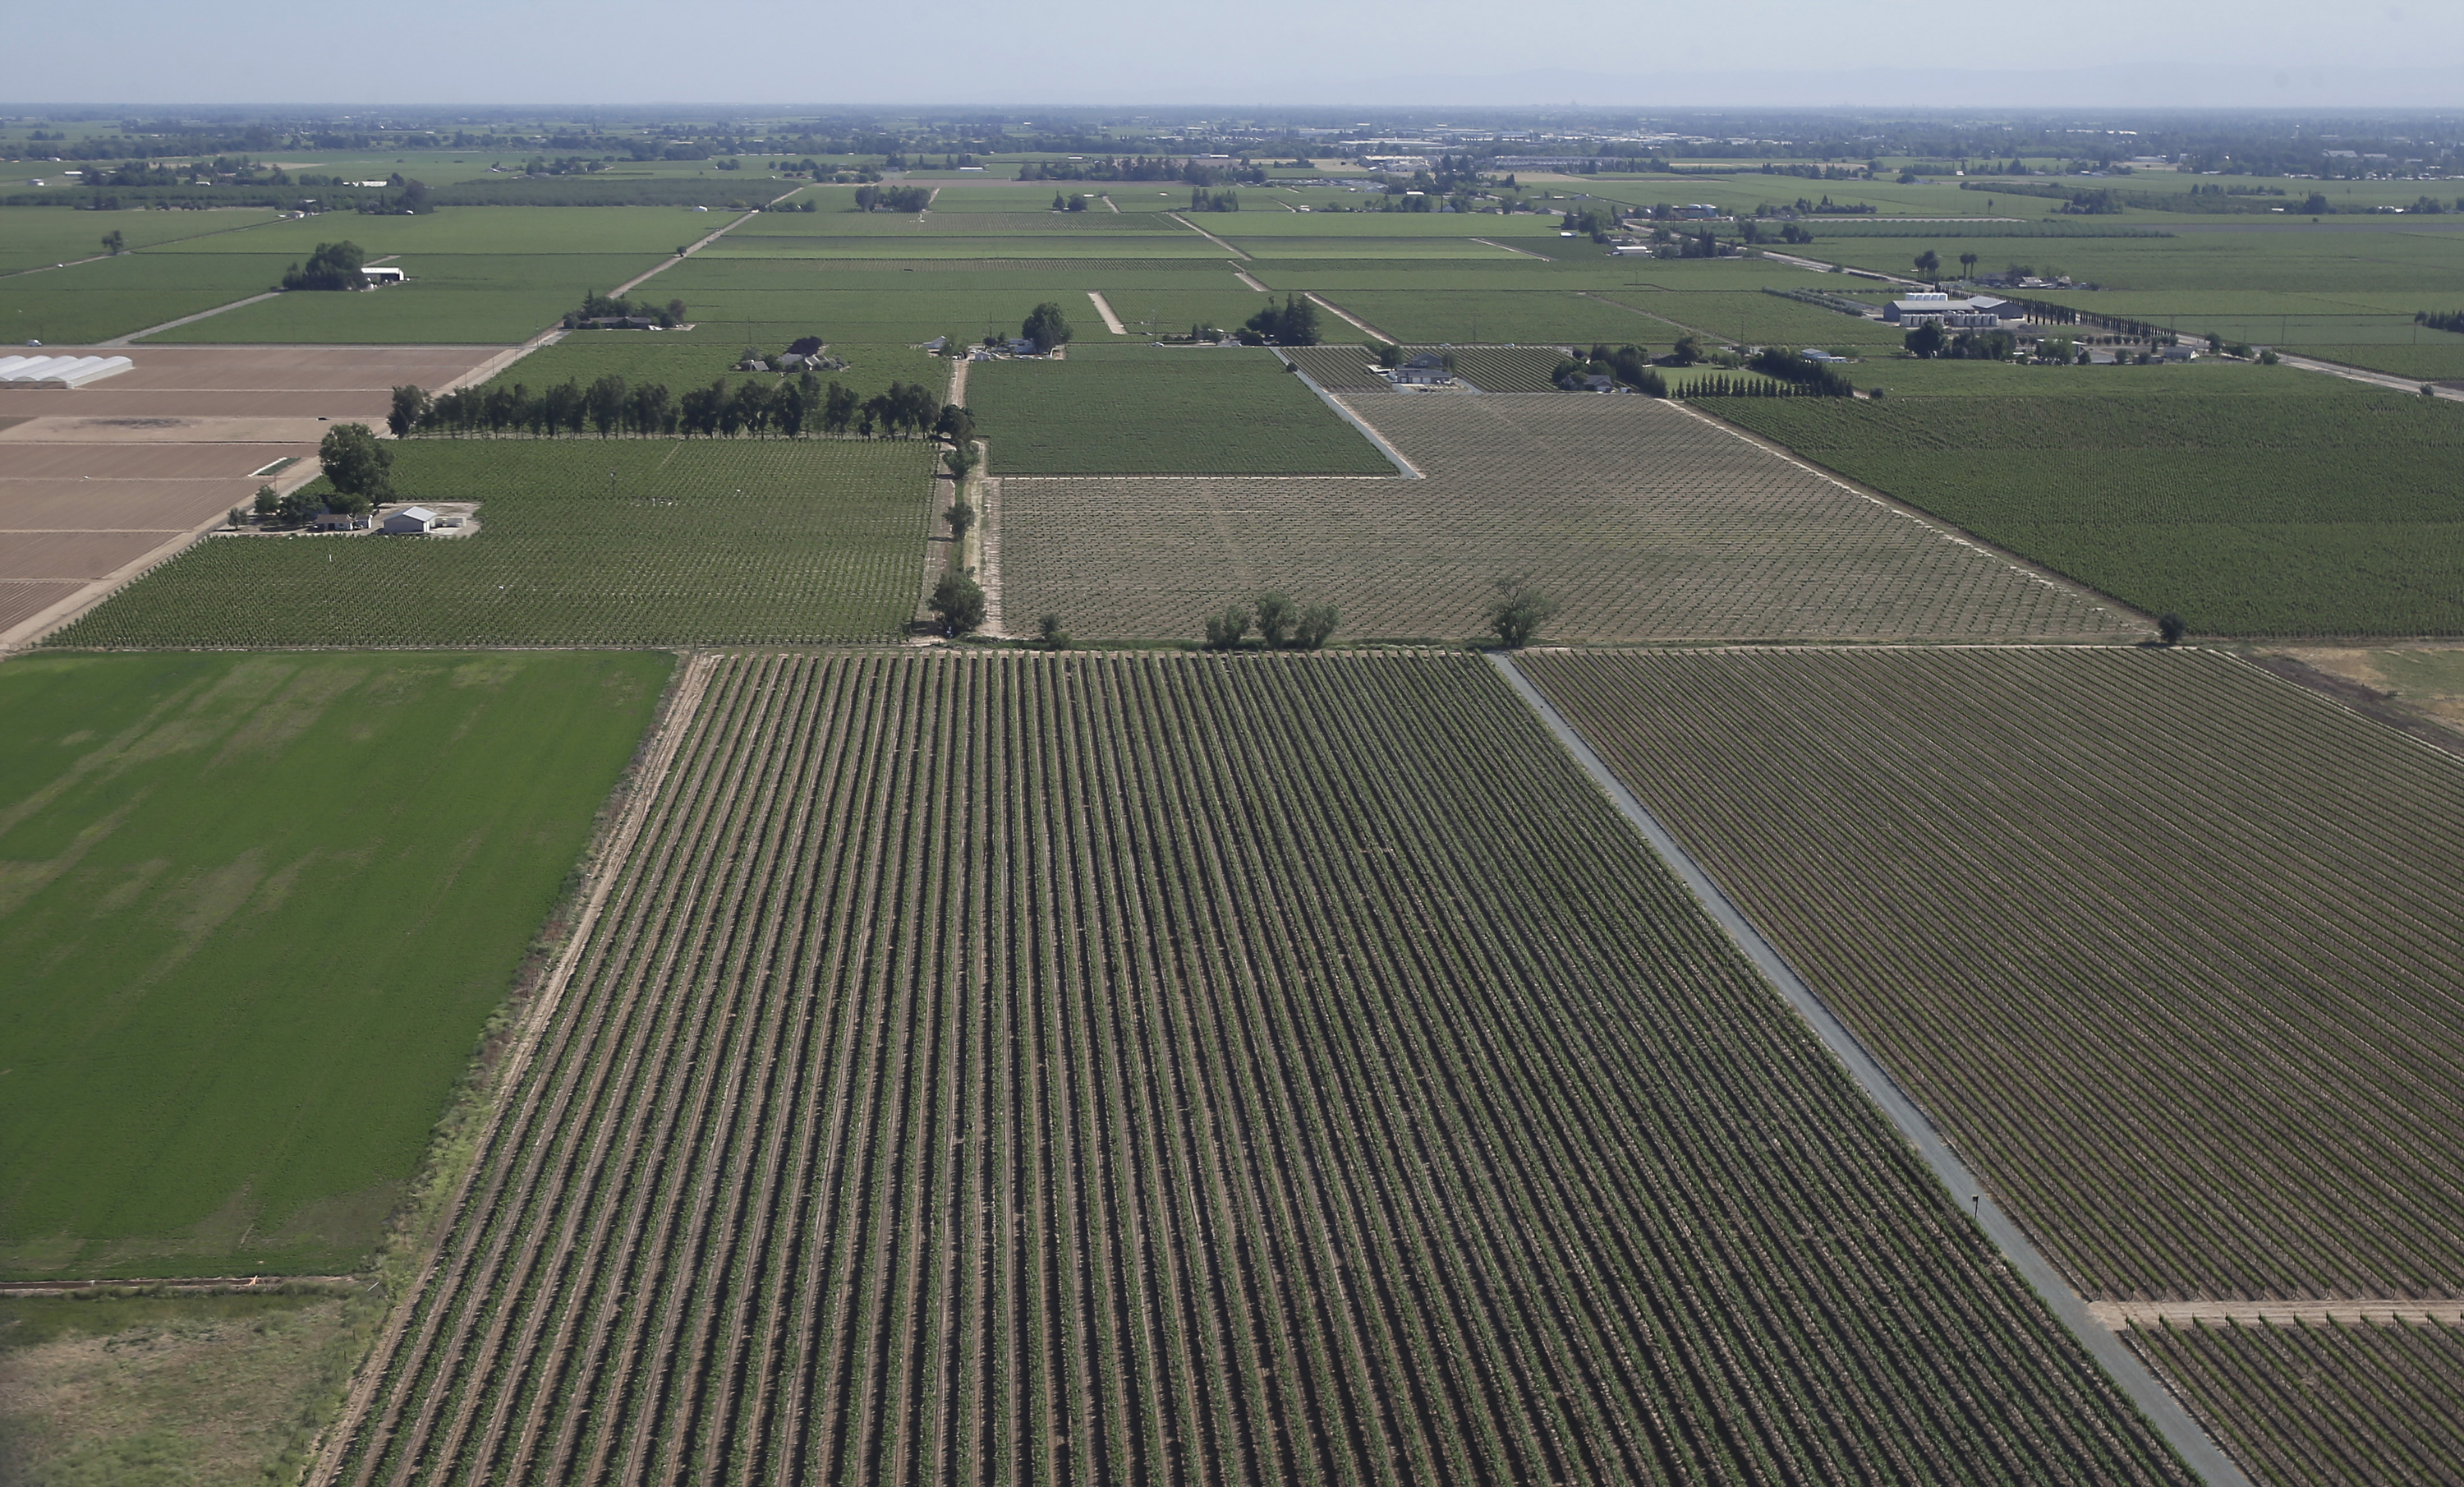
(2249, 501)
(451, 298)
(1645, 521)
(1124, 410)
(487, 231)
(86, 303)
(2241, 893)
(680, 363)
(2316, 1406)
(581, 541)
(1188, 1069)
(257, 910)
(38, 236)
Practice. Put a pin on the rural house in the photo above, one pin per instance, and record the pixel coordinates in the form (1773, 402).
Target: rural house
(1426, 369)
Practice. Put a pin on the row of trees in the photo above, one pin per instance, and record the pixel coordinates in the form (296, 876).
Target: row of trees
(893, 198)
(612, 408)
(2441, 320)
(596, 306)
(1201, 199)
(1281, 625)
(1930, 340)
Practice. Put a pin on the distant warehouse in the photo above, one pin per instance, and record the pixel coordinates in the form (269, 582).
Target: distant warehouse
(1984, 312)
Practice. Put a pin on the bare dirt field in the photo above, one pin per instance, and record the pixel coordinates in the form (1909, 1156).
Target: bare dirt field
(98, 482)
(1643, 520)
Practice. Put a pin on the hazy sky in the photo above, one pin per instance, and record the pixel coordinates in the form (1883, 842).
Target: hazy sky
(1172, 52)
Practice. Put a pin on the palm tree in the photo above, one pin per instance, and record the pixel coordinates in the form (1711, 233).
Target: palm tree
(1967, 265)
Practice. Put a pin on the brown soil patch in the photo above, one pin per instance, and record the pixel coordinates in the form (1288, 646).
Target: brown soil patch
(139, 462)
(58, 557)
(23, 601)
(115, 505)
(98, 402)
(162, 429)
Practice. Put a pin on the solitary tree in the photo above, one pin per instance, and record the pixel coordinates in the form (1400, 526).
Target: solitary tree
(112, 243)
(957, 603)
(2171, 627)
(1519, 611)
(1927, 339)
(267, 502)
(1049, 634)
(1929, 264)
(1045, 326)
(331, 266)
(357, 466)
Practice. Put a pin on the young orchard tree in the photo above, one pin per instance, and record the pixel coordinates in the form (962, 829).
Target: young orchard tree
(1519, 611)
(957, 603)
(357, 466)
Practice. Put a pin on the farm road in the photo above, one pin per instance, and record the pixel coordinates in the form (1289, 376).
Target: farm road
(694, 248)
(2162, 1409)
(641, 791)
(2123, 1315)
(1347, 317)
(1104, 308)
(1203, 233)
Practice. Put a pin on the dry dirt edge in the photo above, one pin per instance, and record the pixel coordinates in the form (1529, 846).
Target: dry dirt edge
(675, 720)
(2123, 1315)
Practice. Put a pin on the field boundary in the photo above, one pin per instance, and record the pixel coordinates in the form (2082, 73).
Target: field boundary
(1203, 233)
(666, 738)
(714, 235)
(134, 336)
(217, 1284)
(1404, 467)
(2125, 1316)
(1525, 252)
(31, 630)
(2163, 1410)
(1947, 531)
(1347, 318)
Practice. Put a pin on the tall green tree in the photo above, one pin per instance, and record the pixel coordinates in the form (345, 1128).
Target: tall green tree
(357, 466)
(1045, 326)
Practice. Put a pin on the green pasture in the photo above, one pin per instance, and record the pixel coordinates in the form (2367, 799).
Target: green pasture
(2250, 501)
(1137, 410)
(1166, 245)
(487, 231)
(90, 301)
(583, 542)
(2284, 258)
(451, 298)
(257, 911)
(34, 236)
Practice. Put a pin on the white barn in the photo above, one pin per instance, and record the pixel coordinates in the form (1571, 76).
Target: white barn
(411, 520)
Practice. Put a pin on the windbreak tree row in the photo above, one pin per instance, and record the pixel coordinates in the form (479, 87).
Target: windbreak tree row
(1192, 1069)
